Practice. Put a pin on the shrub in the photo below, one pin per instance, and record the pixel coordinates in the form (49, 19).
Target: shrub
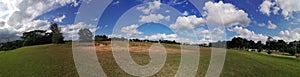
(292, 51)
(297, 55)
(269, 52)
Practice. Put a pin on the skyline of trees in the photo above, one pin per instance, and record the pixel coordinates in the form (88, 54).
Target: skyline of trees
(38, 37)
(35, 37)
(57, 36)
(85, 35)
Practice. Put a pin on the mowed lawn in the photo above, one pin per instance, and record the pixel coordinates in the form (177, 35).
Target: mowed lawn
(57, 61)
(38, 61)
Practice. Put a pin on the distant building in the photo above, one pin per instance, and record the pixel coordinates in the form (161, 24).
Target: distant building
(253, 50)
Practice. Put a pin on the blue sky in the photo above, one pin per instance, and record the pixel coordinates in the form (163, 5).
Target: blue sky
(180, 20)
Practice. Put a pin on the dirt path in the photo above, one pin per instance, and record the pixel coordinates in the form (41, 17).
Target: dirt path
(279, 55)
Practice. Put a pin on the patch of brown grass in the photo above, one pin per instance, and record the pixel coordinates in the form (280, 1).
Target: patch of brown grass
(139, 52)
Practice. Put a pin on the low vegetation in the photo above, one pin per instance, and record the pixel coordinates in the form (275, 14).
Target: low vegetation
(270, 46)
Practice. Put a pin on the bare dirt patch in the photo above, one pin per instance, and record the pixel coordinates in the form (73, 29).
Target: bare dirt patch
(143, 47)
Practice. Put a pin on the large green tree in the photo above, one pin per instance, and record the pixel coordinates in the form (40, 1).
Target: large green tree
(282, 46)
(259, 46)
(238, 42)
(36, 37)
(56, 34)
(85, 35)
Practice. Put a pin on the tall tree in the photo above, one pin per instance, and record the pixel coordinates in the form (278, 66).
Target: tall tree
(36, 37)
(56, 35)
(236, 42)
(85, 35)
(252, 44)
(259, 46)
(282, 46)
(268, 42)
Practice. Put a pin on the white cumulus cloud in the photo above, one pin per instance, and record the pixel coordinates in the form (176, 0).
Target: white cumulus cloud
(271, 25)
(60, 19)
(18, 15)
(161, 37)
(215, 33)
(35, 25)
(265, 7)
(30, 9)
(185, 13)
(290, 35)
(153, 18)
(187, 23)
(287, 7)
(131, 30)
(155, 5)
(224, 14)
(248, 34)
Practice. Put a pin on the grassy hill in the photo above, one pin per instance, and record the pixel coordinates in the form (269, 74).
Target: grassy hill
(38, 61)
(57, 61)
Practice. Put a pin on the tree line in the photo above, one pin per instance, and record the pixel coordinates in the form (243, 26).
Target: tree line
(270, 45)
(240, 43)
(35, 37)
(38, 37)
(99, 38)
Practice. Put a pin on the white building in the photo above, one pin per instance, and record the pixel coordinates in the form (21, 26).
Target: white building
(253, 50)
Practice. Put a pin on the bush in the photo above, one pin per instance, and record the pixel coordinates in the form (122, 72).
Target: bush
(10, 45)
(292, 51)
(85, 35)
(269, 52)
(297, 56)
(283, 50)
(260, 49)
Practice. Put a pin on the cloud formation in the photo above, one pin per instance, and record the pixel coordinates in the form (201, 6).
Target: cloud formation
(7, 34)
(155, 5)
(265, 7)
(60, 19)
(71, 31)
(290, 35)
(161, 37)
(271, 25)
(287, 7)
(248, 34)
(187, 23)
(131, 31)
(209, 34)
(224, 14)
(18, 15)
(185, 13)
(153, 18)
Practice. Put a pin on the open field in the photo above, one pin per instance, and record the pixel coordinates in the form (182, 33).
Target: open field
(57, 61)
(38, 61)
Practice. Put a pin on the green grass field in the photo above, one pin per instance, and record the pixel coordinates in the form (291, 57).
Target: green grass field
(38, 61)
(56, 61)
